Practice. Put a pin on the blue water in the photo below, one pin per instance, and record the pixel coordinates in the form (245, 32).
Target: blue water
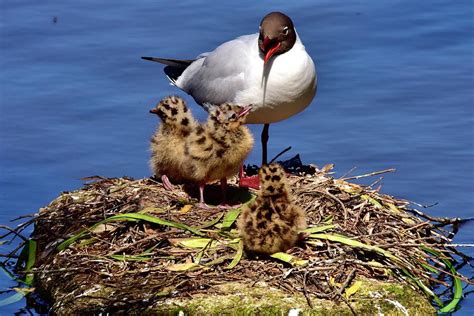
(395, 90)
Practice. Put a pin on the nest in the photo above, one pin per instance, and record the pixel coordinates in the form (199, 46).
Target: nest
(146, 243)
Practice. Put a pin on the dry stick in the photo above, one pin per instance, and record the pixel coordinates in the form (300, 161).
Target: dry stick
(281, 153)
(343, 287)
(444, 220)
(348, 172)
(305, 292)
(12, 231)
(334, 198)
(132, 244)
(369, 174)
(347, 281)
(24, 216)
(375, 182)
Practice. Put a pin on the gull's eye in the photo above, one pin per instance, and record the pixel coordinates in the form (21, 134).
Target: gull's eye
(285, 30)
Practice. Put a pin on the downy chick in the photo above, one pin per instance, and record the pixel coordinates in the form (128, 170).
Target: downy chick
(168, 143)
(216, 149)
(272, 222)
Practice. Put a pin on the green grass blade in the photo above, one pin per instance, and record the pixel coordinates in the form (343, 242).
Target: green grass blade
(212, 222)
(354, 243)
(318, 229)
(237, 257)
(230, 218)
(422, 286)
(457, 295)
(198, 243)
(27, 259)
(129, 258)
(128, 217)
(286, 257)
(31, 244)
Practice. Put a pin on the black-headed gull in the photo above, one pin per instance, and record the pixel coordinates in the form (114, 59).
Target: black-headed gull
(270, 70)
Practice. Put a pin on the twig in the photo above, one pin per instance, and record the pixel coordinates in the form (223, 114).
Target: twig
(305, 291)
(369, 174)
(11, 231)
(138, 242)
(348, 172)
(24, 216)
(281, 153)
(334, 198)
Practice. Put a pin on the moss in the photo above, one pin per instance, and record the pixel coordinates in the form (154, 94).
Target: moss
(374, 298)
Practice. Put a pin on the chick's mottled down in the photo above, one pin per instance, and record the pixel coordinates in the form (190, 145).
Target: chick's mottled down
(168, 143)
(185, 150)
(272, 222)
(217, 148)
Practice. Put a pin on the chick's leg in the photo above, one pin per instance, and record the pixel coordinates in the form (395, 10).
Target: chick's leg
(166, 183)
(201, 193)
(201, 203)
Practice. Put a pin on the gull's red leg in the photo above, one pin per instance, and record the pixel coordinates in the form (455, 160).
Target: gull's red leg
(248, 182)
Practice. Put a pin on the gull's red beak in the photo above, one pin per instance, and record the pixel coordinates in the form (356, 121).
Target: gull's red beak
(245, 110)
(269, 48)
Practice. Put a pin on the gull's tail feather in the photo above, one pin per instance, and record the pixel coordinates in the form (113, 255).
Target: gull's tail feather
(174, 67)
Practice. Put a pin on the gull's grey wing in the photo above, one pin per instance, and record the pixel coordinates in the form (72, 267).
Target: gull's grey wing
(217, 77)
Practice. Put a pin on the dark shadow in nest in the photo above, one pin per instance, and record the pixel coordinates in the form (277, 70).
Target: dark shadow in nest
(292, 166)
(213, 194)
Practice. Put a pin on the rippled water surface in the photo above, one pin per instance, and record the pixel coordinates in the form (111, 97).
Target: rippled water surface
(395, 90)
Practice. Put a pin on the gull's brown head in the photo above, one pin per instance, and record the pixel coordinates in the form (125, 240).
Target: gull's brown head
(277, 35)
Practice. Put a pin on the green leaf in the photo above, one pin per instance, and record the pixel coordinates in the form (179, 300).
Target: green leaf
(237, 257)
(457, 295)
(373, 201)
(353, 289)
(230, 218)
(354, 243)
(128, 217)
(129, 258)
(28, 258)
(212, 222)
(285, 257)
(198, 243)
(318, 229)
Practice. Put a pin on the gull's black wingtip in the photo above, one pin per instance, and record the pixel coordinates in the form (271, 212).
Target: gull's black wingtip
(147, 58)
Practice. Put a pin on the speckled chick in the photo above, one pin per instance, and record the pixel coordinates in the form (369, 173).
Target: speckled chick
(215, 150)
(272, 222)
(168, 143)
